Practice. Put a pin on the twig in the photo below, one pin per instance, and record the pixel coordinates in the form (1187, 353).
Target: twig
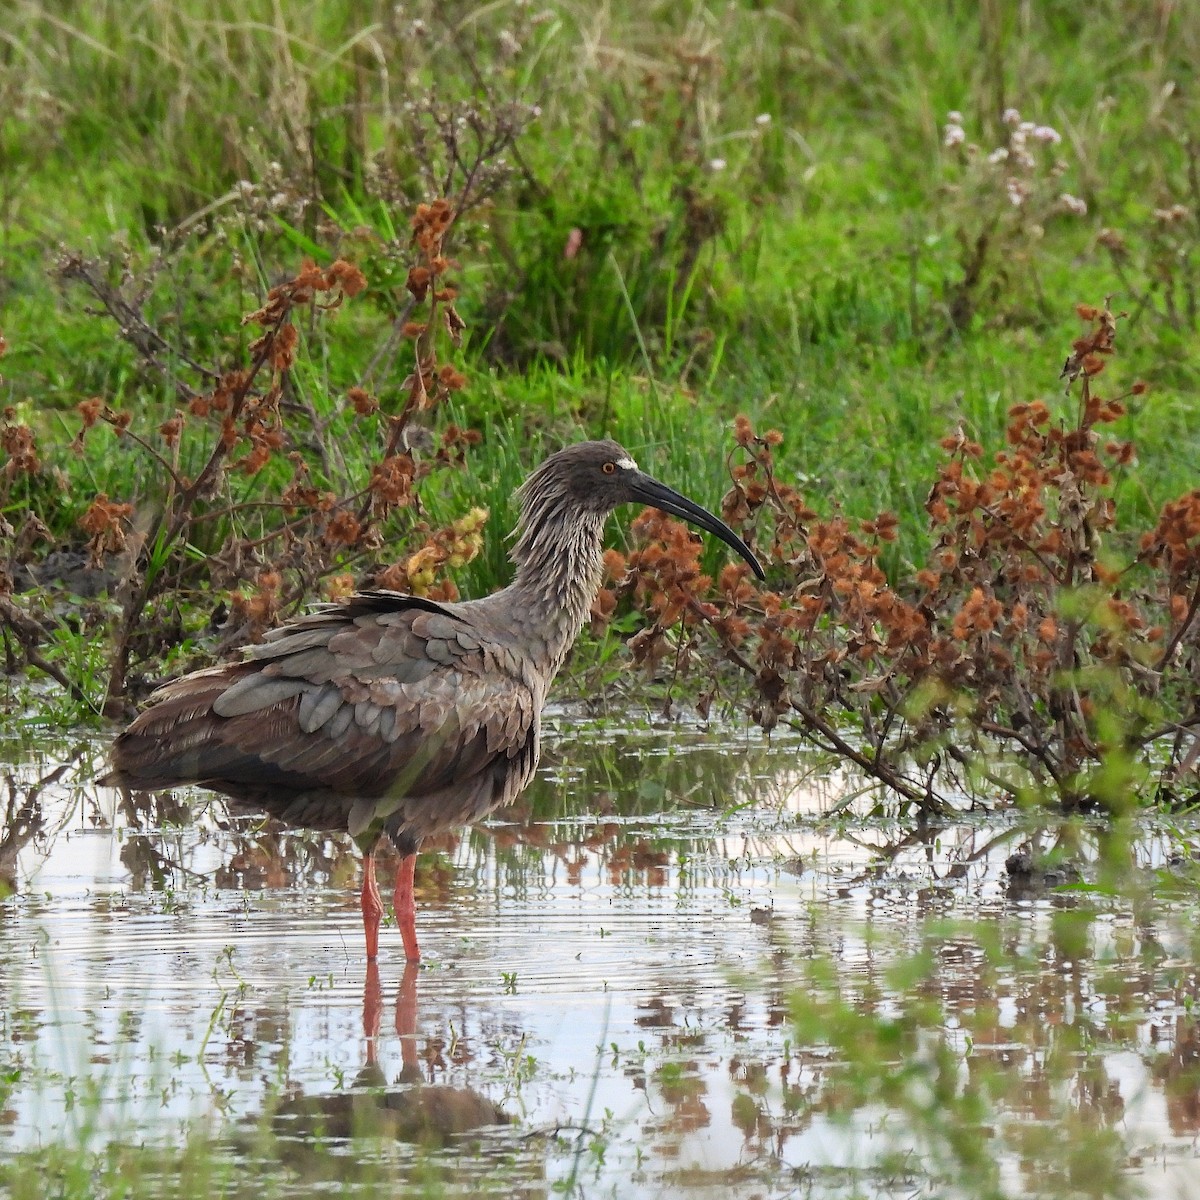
(1178, 635)
(388, 346)
(133, 326)
(875, 767)
(1040, 752)
(29, 633)
(160, 459)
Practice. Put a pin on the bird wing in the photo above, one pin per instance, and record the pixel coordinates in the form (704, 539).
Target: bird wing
(385, 695)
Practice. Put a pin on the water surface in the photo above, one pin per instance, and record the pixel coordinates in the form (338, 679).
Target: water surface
(687, 964)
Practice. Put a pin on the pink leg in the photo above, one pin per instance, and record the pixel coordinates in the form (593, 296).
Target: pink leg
(372, 907)
(406, 909)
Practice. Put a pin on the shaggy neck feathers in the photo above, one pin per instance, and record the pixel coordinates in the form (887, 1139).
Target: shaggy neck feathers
(558, 556)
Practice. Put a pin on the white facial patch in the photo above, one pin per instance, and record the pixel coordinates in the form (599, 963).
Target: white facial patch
(627, 464)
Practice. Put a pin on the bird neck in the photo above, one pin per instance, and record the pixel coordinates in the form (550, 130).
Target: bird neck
(558, 556)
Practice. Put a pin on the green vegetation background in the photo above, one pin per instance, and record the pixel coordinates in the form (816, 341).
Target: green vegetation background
(708, 209)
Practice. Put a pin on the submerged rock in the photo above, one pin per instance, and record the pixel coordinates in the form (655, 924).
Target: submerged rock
(1028, 875)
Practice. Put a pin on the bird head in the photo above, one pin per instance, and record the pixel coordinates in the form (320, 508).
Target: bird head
(596, 477)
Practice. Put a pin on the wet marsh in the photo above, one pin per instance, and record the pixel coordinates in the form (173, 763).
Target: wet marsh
(685, 965)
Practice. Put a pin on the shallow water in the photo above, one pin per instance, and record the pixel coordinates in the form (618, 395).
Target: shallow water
(684, 965)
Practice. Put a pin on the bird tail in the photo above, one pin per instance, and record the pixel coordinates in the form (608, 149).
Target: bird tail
(167, 743)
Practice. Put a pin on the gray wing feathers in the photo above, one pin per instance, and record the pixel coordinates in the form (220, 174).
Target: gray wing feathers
(339, 722)
(317, 665)
(408, 703)
(291, 640)
(317, 706)
(432, 625)
(413, 701)
(441, 651)
(254, 692)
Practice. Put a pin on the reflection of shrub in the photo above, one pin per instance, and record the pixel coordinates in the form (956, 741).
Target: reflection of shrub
(1035, 628)
(977, 1102)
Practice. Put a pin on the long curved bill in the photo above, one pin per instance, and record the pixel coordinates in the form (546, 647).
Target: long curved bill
(658, 495)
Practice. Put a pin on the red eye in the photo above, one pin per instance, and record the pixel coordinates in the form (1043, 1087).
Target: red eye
(609, 468)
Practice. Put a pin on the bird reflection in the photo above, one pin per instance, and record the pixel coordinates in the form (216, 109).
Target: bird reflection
(406, 1020)
(409, 1111)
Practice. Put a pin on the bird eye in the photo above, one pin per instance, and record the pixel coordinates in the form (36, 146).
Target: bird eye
(609, 468)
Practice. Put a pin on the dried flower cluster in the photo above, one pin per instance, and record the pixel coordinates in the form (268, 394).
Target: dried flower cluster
(18, 443)
(248, 466)
(104, 523)
(429, 384)
(421, 573)
(1036, 647)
